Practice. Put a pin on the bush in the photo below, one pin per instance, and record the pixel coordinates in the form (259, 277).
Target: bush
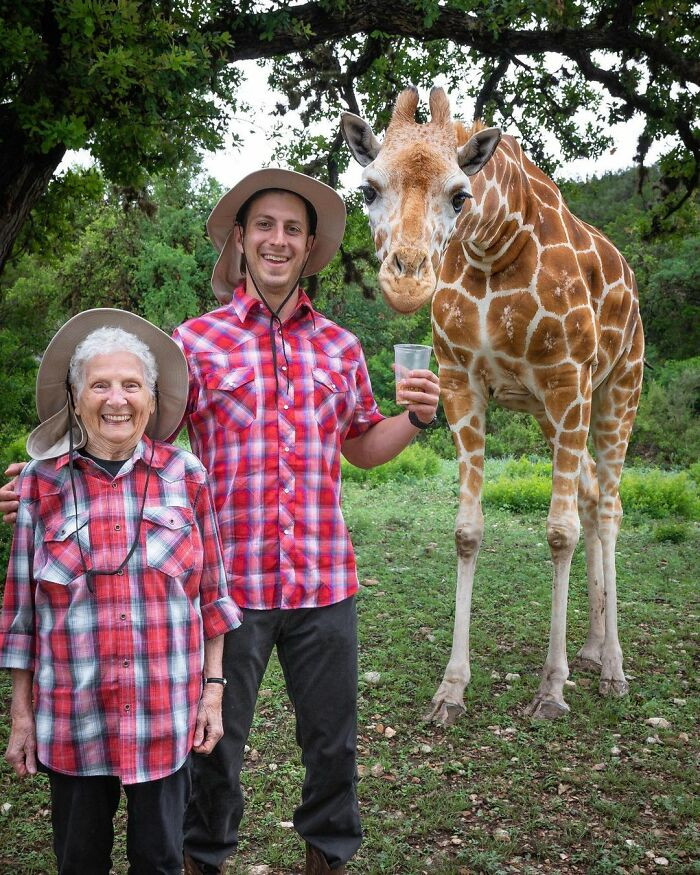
(658, 495)
(525, 485)
(511, 433)
(668, 420)
(440, 442)
(521, 494)
(414, 463)
(675, 533)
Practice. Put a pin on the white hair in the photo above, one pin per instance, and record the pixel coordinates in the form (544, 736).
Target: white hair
(103, 341)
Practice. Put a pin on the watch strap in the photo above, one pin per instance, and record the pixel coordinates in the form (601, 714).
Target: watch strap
(418, 423)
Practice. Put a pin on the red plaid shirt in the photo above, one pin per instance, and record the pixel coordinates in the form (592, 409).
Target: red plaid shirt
(273, 454)
(117, 672)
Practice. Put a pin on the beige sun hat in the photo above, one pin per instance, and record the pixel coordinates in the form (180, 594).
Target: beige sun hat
(51, 439)
(330, 212)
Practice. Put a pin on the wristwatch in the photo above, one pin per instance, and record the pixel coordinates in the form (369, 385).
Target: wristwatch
(221, 681)
(413, 419)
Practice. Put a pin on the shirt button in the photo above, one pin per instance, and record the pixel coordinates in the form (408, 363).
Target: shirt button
(125, 663)
(127, 707)
(117, 528)
(286, 406)
(122, 616)
(284, 367)
(114, 484)
(120, 572)
(286, 449)
(288, 531)
(286, 490)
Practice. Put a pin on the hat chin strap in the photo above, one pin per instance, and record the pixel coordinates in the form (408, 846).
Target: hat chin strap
(91, 573)
(274, 314)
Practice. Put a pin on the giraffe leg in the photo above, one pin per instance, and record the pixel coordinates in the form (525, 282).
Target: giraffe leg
(466, 414)
(565, 420)
(614, 409)
(589, 657)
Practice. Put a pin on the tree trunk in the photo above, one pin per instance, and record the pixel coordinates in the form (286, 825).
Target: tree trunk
(24, 177)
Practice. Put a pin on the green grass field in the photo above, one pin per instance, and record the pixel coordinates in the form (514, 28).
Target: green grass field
(598, 792)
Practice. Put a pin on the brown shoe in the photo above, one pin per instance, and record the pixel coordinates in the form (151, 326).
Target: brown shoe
(192, 867)
(316, 863)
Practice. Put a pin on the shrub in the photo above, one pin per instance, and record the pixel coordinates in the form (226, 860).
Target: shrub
(520, 494)
(525, 485)
(657, 494)
(673, 532)
(668, 420)
(694, 472)
(414, 463)
(510, 433)
(440, 442)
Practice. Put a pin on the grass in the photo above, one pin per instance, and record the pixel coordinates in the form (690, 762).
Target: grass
(433, 800)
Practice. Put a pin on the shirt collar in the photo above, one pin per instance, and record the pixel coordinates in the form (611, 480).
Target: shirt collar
(142, 452)
(244, 305)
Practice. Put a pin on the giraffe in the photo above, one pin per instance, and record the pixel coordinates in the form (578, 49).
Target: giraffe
(533, 309)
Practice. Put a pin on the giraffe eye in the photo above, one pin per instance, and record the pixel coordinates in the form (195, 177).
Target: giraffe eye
(459, 199)
(368, 193)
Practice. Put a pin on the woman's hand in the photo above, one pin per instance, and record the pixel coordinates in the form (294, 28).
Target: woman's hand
(209, 727)
(21, 748)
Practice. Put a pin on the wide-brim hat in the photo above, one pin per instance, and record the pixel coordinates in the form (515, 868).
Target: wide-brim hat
(51, 439)
(330, 227)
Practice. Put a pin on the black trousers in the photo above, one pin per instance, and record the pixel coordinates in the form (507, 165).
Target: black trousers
(317, 649)
(82, 809)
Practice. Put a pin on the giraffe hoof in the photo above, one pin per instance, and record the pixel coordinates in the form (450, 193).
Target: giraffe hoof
(546, 709)
(613, 687)
(445, 713)
(585, 663)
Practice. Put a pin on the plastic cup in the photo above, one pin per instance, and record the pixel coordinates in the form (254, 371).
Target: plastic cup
(408, 357)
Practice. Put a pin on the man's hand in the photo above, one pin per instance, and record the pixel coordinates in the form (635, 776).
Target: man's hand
(421, 389)
(9, 499)
(209, 727)
(21, 747)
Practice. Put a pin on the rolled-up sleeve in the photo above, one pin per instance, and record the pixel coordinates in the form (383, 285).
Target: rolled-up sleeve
(17, 626)
(366, 412)
(220, 613)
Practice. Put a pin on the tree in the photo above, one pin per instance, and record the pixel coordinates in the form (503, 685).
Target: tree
(143, 84)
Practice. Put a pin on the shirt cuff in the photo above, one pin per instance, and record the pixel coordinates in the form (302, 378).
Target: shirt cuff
(220, 616)
(360, 425)
(17, 651)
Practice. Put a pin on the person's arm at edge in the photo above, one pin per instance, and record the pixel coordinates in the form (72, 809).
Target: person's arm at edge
(220, 615)
(209, 727)
(9, 497)
(384, 440)
(21, 746)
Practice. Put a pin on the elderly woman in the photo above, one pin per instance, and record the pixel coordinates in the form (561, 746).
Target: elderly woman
(116, 600)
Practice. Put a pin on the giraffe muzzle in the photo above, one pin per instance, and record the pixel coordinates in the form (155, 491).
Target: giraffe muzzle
(407, 278)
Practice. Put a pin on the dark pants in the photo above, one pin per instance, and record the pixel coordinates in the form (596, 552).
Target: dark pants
(82, 809)
(317, 649)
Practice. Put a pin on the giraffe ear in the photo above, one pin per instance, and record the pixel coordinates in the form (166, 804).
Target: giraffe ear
(359, 137)
(472, 156)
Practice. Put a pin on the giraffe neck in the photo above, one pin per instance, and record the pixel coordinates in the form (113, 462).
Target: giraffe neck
(504, 214)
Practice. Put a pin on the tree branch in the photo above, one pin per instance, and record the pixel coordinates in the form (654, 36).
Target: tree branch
(300, 28)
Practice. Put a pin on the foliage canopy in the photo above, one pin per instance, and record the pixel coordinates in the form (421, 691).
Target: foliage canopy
(143, 84)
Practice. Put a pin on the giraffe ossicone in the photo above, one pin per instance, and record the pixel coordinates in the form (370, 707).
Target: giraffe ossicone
(531, 308)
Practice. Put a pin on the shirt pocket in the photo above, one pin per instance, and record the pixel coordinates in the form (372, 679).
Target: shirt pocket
(232, 396)
(171, 545)
(330, 399)
(59, 561)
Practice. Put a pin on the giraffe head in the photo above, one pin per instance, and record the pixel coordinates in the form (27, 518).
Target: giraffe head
(415, 184)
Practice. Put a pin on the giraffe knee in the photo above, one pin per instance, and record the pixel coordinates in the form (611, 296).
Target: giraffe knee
(562, 536)
(468, 539)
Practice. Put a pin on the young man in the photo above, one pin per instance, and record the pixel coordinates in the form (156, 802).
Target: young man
(277, 392)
